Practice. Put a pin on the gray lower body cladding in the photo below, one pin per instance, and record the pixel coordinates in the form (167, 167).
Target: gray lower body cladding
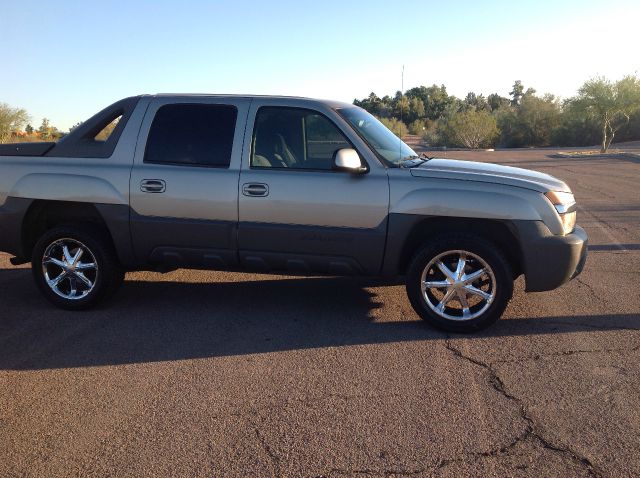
(308, 249)
(298, 249)
(153, 242)
(12, 226)
(190, 243)
(12, 213)
(549, 261)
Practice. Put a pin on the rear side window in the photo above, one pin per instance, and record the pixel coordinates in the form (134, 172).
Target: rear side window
(192, 135)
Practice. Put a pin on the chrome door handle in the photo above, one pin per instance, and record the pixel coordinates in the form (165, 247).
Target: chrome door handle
(153, 186)
(255, 189)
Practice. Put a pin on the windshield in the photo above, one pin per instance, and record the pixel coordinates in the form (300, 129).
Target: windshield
(388, 146)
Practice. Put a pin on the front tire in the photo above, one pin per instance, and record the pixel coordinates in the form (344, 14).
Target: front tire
(459, 282)
(76, 267)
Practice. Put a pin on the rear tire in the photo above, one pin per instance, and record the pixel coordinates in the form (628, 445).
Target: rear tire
(76, 267)
(459, 282)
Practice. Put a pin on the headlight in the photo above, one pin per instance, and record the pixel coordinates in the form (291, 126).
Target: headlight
(565, 204)
(568, 221)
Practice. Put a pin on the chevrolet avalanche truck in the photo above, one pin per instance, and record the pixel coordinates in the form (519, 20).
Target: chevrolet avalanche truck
(279, 184)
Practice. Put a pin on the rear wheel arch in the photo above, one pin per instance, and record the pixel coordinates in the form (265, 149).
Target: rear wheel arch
(45, 215)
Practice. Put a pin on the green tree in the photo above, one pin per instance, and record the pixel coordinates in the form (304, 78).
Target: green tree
(371, 103)
(475, 102)
(417, 127)
(531, 123)
(507, 118)
(11, 120)
(516, 93)
(611, 104)
(29, 129)
(45, 130)
(631, 131)
(575, 128)
(435, 99)
(416, 110)
(496, 101)
(537, 119)
(524, 119)
(395, 125)
(385, 107)
(472, 129)
(400, 106)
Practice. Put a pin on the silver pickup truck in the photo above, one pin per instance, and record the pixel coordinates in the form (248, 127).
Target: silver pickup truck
(279, 184)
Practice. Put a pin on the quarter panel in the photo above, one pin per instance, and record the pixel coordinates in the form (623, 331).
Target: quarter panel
(75, 179)
(67, 187)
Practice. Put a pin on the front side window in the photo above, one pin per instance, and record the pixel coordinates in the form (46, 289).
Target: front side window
(192, 135)
(295, 138)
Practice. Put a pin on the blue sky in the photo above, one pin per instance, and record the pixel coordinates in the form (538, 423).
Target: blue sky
(68, 59)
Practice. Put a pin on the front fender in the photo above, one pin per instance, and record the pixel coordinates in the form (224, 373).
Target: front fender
(465, 203)
(469, 199)
(414, 200)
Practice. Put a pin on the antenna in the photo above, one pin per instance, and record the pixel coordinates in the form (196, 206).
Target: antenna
(401, 111)
(401, 99)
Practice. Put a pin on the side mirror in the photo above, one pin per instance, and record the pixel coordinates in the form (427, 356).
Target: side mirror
(349, 160)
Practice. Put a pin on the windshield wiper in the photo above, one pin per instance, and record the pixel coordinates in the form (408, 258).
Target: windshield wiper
(412, 161)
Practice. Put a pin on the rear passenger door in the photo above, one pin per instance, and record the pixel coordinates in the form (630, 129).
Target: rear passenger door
(184, 182)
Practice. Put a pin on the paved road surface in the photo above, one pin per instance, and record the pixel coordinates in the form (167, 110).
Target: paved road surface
(215, 374)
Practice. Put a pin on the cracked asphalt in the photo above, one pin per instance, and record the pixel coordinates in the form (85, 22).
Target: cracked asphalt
(208, 374)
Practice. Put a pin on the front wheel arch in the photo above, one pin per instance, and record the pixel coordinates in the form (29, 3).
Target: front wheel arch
(501, 233)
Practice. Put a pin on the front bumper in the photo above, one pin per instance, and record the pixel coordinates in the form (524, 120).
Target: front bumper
(549, 260)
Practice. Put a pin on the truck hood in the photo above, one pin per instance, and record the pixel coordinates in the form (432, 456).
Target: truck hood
(489, 173)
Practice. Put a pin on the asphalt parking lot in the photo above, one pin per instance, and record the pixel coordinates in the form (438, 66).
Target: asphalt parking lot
(208, 374)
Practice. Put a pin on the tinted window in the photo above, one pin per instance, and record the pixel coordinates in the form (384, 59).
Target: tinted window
(189, 134)
(295, 138)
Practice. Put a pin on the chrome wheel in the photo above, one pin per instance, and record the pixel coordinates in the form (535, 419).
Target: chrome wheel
(458, 285)
(70, 269)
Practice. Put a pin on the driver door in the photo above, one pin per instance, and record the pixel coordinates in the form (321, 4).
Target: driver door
(296, 212)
